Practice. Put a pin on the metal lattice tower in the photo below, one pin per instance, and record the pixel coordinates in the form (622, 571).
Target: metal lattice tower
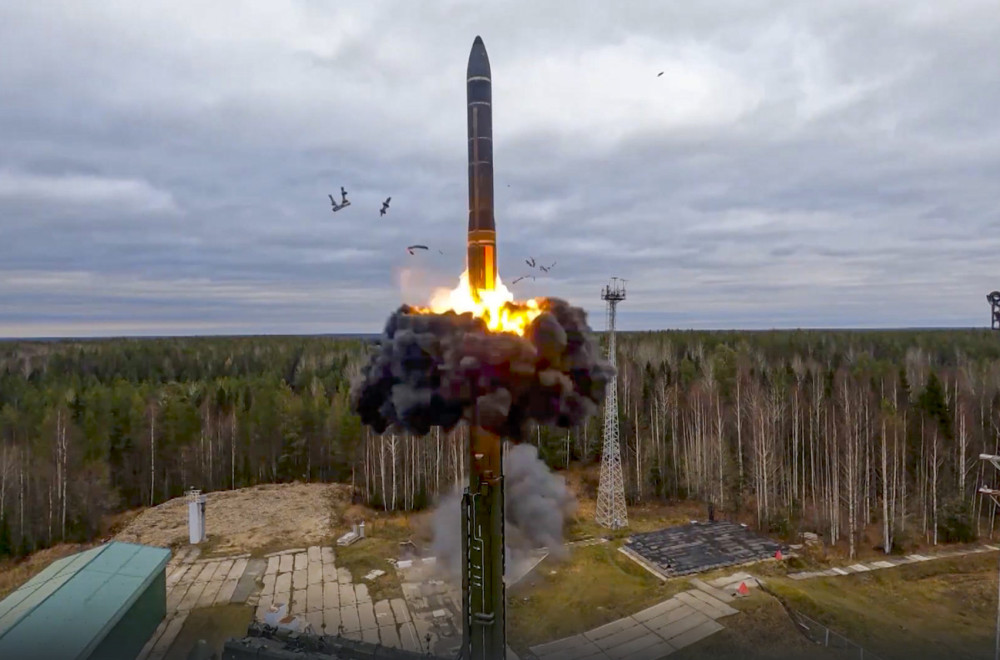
(994, 300)
(611, 491)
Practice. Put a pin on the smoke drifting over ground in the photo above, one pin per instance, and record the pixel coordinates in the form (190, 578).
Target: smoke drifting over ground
(432, 369)
(537, 504)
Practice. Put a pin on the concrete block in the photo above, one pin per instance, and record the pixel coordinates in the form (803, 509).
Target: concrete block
(283, 582)
(314, 598)
(681, 626)
(298, 604)
(344, 576)
(389, 636)
(301, 561)
(347, 597)
(370, 635)
(299, 579)
(361, 593)
(226, 592)
(628, 650)
(696, 634)
(315, 621)
(272, 565)
(366, 615)
(714, 602)
(331, 619)
(327, 555)
(666, 618)
(191, 597)
(331, 595)
(399, 610)
(714, 592)
(383, 613)
(610, 628)
(313, 553)
(408, 638)
(349, 619)
(622, 637)
(329, 573)
(236, 572)
(286, 563)
(656, 610)
(208, 596)
(314, 573)
(269, 583)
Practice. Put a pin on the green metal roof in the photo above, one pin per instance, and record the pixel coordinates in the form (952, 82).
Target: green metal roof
(67, 609)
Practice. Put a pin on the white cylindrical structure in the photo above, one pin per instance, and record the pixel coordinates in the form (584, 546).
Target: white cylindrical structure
(196, 516)
(361, 533)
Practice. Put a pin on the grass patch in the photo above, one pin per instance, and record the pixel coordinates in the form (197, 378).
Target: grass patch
(382, 538)
(594, 585)
(940, 608)
(214, 625)
(762, 630)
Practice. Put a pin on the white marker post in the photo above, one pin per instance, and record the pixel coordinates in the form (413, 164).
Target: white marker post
(196, 516)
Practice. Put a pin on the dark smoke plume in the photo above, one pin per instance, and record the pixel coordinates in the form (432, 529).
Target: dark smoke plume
(436, 369)
(537, 504)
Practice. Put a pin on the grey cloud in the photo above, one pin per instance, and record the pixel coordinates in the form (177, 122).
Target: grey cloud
(831, 163)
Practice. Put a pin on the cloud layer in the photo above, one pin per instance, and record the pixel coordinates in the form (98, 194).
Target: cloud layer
(165, 165)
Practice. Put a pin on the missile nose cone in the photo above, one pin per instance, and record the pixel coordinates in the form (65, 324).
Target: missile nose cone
(479, 61)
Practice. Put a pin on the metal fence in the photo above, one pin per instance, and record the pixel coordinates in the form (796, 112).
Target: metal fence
(820, 634)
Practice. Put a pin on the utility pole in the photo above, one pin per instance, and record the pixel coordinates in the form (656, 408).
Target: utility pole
(995, 496)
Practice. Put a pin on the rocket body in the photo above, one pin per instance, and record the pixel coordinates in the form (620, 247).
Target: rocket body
(482, 244)
(483, 591)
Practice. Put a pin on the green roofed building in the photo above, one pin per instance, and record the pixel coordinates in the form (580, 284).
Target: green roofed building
(100, 604)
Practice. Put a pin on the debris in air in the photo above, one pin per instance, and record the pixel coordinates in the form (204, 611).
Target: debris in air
(385, 206)
(411, 248)
(530, 261)
(344, 201)
(659, 74)
(524, 277)
(546, 269)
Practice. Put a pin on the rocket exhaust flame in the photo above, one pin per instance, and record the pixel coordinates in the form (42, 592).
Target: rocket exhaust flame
(495, 306)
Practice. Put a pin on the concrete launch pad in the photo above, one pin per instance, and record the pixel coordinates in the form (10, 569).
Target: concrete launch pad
(699, 547)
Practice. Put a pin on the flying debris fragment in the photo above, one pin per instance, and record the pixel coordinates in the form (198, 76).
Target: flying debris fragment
(344, 201)
(411, 248)
(659, 74)
(546, 269)
(524, 277)
(385, 206)
(530, 261)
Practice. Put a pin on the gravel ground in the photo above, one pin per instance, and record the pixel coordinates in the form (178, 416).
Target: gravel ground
(248, 519)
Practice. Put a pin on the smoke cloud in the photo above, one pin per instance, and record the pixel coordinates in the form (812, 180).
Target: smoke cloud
(435, 369)
(537, 504)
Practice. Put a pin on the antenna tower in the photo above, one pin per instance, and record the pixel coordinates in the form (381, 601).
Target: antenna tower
(611, 491)
(994, 300)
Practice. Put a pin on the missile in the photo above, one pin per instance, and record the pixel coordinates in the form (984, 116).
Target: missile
(482, 243)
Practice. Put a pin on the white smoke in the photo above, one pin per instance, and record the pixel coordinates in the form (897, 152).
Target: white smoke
(537, 504)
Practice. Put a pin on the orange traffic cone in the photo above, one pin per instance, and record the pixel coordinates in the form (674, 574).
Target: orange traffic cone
(778, 555)
(743, 590)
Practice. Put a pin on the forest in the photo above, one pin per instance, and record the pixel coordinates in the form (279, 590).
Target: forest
(835, 432)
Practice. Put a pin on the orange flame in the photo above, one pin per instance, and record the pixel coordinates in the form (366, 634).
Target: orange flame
(496, 307)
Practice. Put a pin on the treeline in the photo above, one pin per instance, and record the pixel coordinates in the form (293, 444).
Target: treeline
(834, 432)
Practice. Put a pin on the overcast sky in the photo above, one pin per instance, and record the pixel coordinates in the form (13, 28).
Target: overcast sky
(165, 165)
